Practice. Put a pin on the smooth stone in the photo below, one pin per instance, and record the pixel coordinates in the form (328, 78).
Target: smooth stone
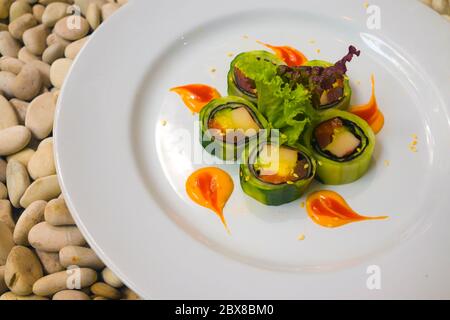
(35, 39)
(22, 270)
(71, 295)
(81, 257)
(57, 213)
(3, 192)
(6, 80)
(13, 139)
(110, 278)
(53, 53)
(106, 291)
(6, 242)
(26, 56)
(3, 287)
(54, 12)
(74, 48)
(30, 217)
(46, 237)
(5, 5)
(23, 156)
(50, 261)
(12, 296)
(42, 163)
(46, 189)
(40, 115)
(18, 27)
(19, 8)
(60, 281)
(72, 28)
(17, 181)
(93, 16)
(59, 70)
(6, 213)
(21, 108)
(2, 170)
(38, 12)
(11, 64)
(28, 83)
(44, 71)
(8, 116)
(9, 47)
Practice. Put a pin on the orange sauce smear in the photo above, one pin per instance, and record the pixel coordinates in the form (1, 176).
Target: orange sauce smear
(196, 96)
(211, 188)
(370, 111)
(291, 56)
(330, 210)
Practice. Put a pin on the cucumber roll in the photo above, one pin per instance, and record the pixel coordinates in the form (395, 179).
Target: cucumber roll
(227, 124)
(240, 82)
(274, 174)
(342, 144)
(337, 97)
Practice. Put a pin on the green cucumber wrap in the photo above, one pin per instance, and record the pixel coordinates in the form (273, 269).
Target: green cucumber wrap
(247, 63)
(268, 193)
(337, 171)
(221, 148)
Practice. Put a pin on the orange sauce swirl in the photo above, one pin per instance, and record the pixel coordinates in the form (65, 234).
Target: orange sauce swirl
(330, 210)
(211, 188)
(196, 96)
(291, 56)
(370, 111)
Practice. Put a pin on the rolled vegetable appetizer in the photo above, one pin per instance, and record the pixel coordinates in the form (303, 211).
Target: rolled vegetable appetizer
(275, 175)
(342, 144)
(239, 82)
(338, 97)
(227, 124)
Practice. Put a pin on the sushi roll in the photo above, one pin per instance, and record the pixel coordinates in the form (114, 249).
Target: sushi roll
(239, 82)
(337, 97)
(227, 124)
(342, 144)
(274, 174)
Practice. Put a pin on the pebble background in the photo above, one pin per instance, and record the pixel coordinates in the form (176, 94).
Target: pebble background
(440, 6)
(38, 237)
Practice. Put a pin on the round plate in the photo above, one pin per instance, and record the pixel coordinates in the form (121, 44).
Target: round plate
(125, 146)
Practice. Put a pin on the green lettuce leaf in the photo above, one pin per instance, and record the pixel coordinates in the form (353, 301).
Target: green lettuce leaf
(289, 110)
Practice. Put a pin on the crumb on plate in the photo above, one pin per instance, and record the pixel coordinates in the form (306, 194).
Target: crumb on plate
(301, 237)
(413, 144)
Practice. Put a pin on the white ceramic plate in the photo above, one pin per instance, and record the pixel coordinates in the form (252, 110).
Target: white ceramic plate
(123, 172)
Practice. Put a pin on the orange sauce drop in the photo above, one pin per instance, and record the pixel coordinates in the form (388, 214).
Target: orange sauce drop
(291, 56)
(211, 188)
(196, 96)
(330, 210)
(370, 111)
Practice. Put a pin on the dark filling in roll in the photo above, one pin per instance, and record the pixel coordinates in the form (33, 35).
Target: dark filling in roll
(245, 84)
(339, 139)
